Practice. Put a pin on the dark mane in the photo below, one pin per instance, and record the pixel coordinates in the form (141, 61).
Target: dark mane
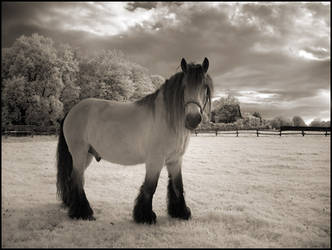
(173, 94)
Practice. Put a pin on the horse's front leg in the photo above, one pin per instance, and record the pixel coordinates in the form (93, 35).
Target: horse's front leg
(176, 204)
(143, 207)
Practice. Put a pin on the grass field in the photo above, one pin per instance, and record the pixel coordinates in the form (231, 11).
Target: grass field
(242, 191)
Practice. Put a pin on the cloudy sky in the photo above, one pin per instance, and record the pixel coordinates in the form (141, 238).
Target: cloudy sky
(274, 57)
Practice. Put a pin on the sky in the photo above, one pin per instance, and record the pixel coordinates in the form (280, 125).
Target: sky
(274, 57)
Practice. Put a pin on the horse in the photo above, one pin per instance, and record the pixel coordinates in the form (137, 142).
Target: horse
(154, 130)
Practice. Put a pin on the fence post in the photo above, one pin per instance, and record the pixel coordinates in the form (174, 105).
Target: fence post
(302, 132)
(237, 133)
(195, 132)
(280, 132)
(326, 132)
(257, 133)
(216, 132)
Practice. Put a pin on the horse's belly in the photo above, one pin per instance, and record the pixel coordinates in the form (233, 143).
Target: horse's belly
(123, 158)
(121, 151)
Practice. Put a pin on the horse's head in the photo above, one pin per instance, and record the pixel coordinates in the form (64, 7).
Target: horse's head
(197, 92)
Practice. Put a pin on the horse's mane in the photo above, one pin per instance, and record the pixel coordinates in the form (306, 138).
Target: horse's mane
(149, 100)
(173, 94)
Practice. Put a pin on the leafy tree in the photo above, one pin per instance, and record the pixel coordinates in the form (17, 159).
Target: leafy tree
(315, 123)
(69, 67)
(14, 100)
(142, 81)
(298, 121)
(326, 124)
(226, 110)
(112, 76)
(89, 84)
(318, 123)
(258, 115)
(32, 80)
(279, 121)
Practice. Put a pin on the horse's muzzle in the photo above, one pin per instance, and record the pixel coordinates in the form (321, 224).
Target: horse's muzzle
(192, 121)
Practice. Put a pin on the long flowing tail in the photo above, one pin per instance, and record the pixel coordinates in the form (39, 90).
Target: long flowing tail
(64, 168)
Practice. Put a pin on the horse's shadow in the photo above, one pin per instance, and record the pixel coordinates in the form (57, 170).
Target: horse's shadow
(51, 216)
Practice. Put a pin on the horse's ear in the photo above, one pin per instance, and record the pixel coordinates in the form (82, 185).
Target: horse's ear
(184, 65)
(205, 65)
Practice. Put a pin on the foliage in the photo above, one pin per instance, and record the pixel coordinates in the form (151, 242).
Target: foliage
(279, 121)
(318, 123)
(226, 110)
(112, 76)
(70, 69)
(41, 82)
(298, 121)
(258, 115)
(32, 81)
(248, 122)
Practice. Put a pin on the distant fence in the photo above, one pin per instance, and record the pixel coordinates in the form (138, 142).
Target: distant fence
(284, 130)
(28, 130)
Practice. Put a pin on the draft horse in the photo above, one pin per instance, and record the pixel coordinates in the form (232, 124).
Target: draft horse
(154, 130)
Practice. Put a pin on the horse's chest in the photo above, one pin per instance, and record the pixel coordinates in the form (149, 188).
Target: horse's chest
(177, 148)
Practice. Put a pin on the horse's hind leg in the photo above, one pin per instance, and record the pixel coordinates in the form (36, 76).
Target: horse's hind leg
(79, 205)
(176, 204)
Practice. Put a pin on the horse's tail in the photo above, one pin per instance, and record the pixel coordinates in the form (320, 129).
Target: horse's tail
(64, 164)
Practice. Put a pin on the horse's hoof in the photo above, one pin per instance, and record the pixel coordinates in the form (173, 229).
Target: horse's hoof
(86, 214)
(149, 218)
(92, 218)
(82, 217)
(184, 214)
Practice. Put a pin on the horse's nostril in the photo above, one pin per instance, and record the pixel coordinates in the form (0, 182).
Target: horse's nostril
(199, 119)
(193, 120)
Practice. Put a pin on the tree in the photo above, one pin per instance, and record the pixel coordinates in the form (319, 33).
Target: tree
(141, 80)
(14, 100)
(69, 68)
(258, 115)
(226, 110)
(318, 123)
(279, 121)
(112, 76)
(32, 81)
(298, 121)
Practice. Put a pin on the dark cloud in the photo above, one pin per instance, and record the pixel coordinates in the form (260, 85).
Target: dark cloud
(145, 5)
(250, 46)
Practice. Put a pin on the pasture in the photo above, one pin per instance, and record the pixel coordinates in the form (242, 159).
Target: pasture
(242, 191)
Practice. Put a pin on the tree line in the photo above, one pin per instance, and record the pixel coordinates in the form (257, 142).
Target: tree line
(227, 115)
(42, 80)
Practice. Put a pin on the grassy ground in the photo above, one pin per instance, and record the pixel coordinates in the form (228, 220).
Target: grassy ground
(242, 191)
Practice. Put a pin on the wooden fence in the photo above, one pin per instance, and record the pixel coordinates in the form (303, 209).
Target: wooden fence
(25, 130)
(284, 130)
(28, 130)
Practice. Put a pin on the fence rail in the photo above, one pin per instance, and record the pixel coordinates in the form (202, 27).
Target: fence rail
(282, 131)
(28, 130)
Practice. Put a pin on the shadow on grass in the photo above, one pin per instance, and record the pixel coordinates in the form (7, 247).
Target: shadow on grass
(45, 216)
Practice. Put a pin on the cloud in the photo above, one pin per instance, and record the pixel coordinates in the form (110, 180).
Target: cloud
(145, 5)
(279, 51)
